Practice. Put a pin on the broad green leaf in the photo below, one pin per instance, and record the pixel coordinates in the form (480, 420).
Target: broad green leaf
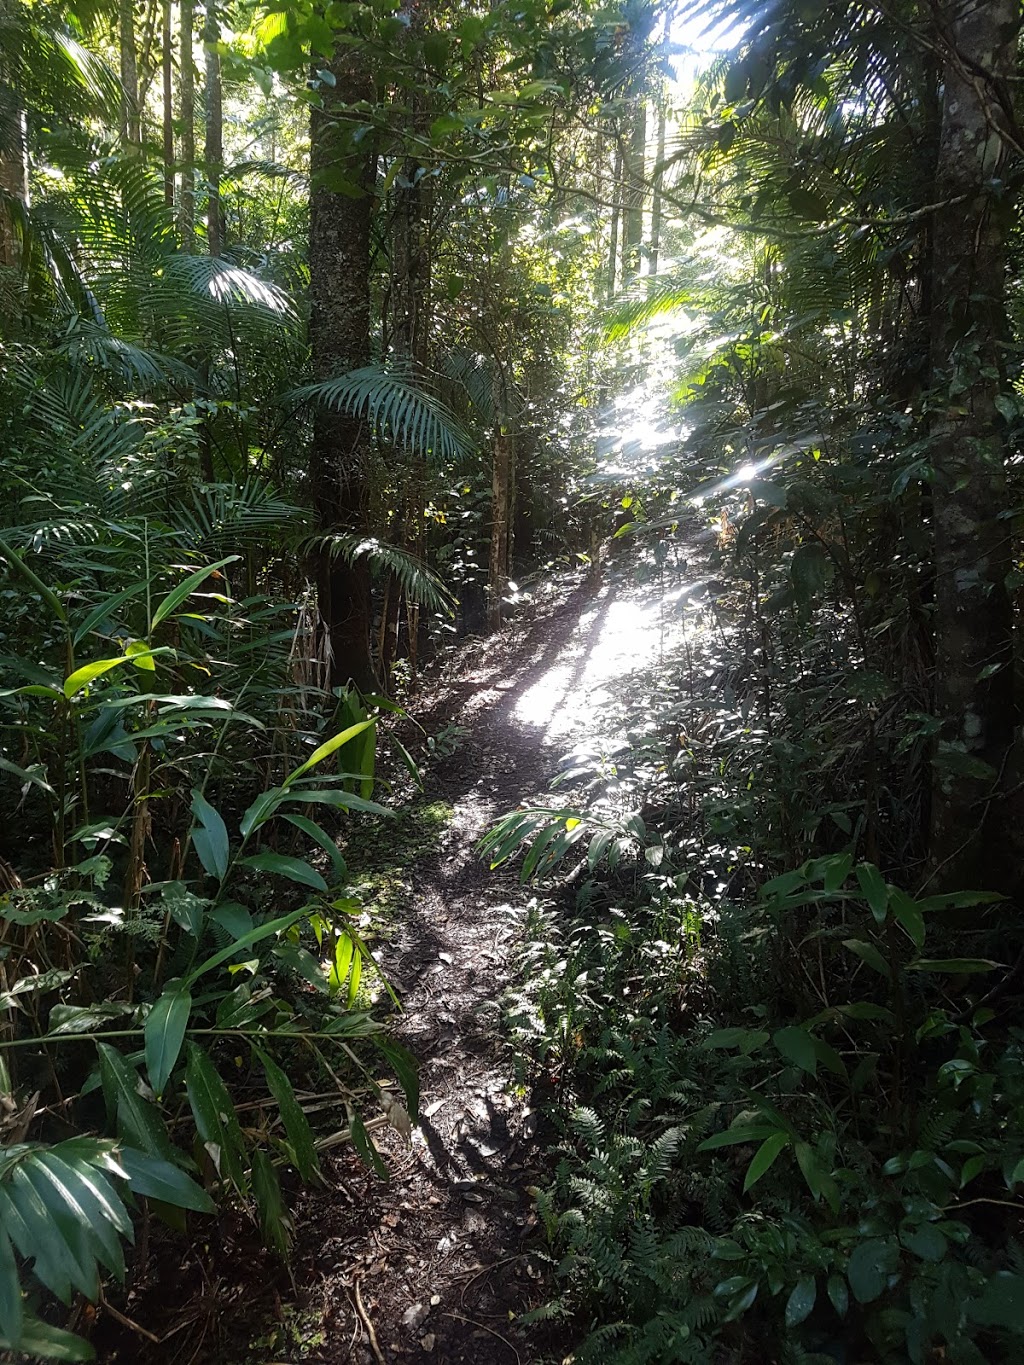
(11, 1311)
(165, 1032)
(295, 869)
(838, 1294)
(748, 1040)
(796, 1045)
(82, 677)
(801, 1302)
(329, 747)
(957, 966)
(40, 1341)
(261, 931)
(909, 916)
(107, 607)
(140, 655)
(261, 810)
(266, 1189)
(137, 1120)
(33, 777)
(156, 1179)
(296, 1125)
(320, 836)
(185, 588)
(366, 1147)
(873, 889)
(733, 1137)
(764, 1158)
(344, 955)
(868, 953)
(214, 1112)
(342, 800)
(871, 1263)
(210, 836)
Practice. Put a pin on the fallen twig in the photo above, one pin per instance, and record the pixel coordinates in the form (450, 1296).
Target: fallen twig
(364, 1317)
(484, 1328)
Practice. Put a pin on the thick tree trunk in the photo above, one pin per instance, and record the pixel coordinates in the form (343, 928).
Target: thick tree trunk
(130, 129)
(213, 152)
(187, 89)
(339, 266)
(167, 74)
(13, 176)
(973, 621)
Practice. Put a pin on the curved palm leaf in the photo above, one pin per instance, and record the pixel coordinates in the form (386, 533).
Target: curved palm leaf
(419, 583)
(394, 402)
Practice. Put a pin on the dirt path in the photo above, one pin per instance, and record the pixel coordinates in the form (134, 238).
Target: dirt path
(441, 1255)
(434, 1265)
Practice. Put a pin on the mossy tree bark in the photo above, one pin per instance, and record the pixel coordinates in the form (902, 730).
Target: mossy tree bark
(213, 152)
(187, 91)
(969, 391)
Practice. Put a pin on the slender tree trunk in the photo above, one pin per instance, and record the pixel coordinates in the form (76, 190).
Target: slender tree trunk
(339, 265)
(502, 496)
(214, 150)
(613, 230)
(973, 620)
(130, 130)
(633, 187)
(187, 89)
(167, 71)
(653, 254)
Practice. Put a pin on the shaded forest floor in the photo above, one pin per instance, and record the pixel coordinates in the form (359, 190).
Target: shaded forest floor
(436, 1263)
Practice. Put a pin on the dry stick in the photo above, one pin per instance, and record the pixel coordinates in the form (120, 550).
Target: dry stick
(365, 1319)
(483, 1327)
(127, 1322)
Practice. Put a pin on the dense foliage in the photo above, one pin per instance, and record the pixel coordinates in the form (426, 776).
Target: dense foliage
(323, 330)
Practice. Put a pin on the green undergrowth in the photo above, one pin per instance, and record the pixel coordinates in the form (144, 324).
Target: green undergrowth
(787, 1093)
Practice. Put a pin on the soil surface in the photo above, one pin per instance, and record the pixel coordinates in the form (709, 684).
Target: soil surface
(437, 1263)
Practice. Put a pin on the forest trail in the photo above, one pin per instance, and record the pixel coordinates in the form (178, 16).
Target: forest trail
(432, 1265)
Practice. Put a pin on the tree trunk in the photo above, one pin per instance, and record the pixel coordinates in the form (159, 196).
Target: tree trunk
(187, 88)
(13, 175)
(654, 251)
(973, 620)
(613, 230)
(214, 150)
(633, 187)
(130, 129)
(502, 501)
(339, 266)
(167, 65)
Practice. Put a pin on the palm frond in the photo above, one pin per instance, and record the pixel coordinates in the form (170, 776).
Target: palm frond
(418, 582)
(396, 404)
(222, 516)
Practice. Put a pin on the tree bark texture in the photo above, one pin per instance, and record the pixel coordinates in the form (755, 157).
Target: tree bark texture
(634, 184)
(654, 251)
(213, 152)
(339, 265)
(130, 127)
(167, 76)
(187, 90)
(14, 185)
(502, 501)
(973, 619)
